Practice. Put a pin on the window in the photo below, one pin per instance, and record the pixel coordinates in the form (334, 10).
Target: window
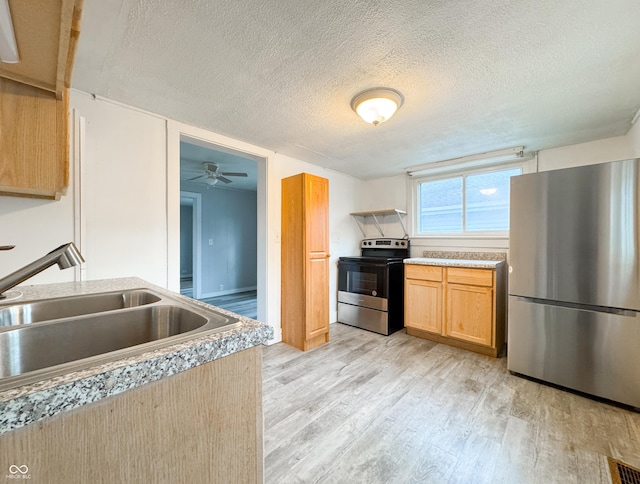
(465, 204)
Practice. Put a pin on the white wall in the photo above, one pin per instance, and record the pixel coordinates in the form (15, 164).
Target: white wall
(123, 191)
(383, 194)
(600, 151)
(35, 227)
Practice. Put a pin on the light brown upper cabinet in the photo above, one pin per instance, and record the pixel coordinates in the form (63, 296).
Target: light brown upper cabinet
(305, 261)
(34, 99)
(46, 34)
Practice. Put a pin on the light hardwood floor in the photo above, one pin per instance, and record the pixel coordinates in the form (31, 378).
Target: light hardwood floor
(243, 303)
(367, 408)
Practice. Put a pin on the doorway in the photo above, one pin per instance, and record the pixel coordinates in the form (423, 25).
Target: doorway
(220, 238)
(190, 244)
(186, 248)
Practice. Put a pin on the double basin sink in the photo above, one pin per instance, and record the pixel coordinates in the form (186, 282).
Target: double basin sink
(49, 337)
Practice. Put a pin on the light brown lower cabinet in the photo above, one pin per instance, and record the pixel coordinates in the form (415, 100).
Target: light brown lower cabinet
(423, 307)
(459, 306)
(201, 425)
(470, 314)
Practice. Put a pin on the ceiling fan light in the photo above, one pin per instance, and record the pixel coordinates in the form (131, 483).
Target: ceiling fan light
(211, 181)
(377, 105)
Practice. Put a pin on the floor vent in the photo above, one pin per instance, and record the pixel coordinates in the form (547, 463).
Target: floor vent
(622, 473)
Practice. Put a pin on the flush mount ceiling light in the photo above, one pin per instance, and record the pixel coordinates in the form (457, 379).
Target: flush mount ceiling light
(377, 105)
(8, 46)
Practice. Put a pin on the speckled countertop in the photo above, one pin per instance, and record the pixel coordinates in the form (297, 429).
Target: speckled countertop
(32, 402)
(474, 264)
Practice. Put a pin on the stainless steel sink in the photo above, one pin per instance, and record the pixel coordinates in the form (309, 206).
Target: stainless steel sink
(66, 307)
(52, 347)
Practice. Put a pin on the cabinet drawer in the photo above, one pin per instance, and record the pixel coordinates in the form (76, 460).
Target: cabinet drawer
(475, 277)
(425, 273)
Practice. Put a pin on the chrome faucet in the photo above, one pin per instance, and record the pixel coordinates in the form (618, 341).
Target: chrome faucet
(65, 256)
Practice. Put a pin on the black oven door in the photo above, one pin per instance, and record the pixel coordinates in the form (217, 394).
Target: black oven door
(367, 278)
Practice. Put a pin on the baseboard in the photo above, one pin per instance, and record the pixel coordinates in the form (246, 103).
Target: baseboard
(277, 334)
(227, 292)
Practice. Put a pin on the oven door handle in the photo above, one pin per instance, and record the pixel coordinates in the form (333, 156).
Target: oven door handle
(362, 264)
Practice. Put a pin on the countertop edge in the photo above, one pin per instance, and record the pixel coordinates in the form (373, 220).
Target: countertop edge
(472, 264)
(31, 403)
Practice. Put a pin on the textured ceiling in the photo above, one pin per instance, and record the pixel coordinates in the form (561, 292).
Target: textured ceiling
(476, 75)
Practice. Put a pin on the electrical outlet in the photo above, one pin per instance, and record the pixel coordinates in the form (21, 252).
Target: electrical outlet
(222, 287)
(210, 241)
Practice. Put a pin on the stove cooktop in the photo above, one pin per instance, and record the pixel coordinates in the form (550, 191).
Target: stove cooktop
(377, 259)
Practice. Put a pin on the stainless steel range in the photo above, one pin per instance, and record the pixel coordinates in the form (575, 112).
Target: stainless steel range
(371, 287)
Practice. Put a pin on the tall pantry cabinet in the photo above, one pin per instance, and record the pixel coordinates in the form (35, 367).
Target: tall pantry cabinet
(305, 261)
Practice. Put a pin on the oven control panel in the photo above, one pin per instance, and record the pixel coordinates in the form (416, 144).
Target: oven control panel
(384, 244)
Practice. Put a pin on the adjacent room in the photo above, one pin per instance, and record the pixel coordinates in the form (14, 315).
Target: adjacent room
(218, 228)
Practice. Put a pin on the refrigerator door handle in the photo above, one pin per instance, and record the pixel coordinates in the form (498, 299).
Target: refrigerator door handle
(584, 307)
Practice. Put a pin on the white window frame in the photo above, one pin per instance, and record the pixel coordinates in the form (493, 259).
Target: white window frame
(527, 166)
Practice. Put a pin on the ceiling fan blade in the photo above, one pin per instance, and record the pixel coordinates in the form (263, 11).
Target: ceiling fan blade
(194, 178)
(230, 173)
(223, 179)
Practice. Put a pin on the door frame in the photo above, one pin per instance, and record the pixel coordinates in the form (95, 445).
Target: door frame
(196, 204)
(177, 131)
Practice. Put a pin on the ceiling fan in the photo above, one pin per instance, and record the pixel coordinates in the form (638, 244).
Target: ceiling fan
(211, 174)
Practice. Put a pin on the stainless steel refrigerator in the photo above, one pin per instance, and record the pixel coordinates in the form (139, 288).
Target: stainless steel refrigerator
(574, 279)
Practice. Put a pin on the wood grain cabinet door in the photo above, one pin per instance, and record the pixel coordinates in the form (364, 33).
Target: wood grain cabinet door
(423, 305)
(317, 298)
(316, 213)
(305, 261)
(470, 313)
(34, 148)
(316, 216)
